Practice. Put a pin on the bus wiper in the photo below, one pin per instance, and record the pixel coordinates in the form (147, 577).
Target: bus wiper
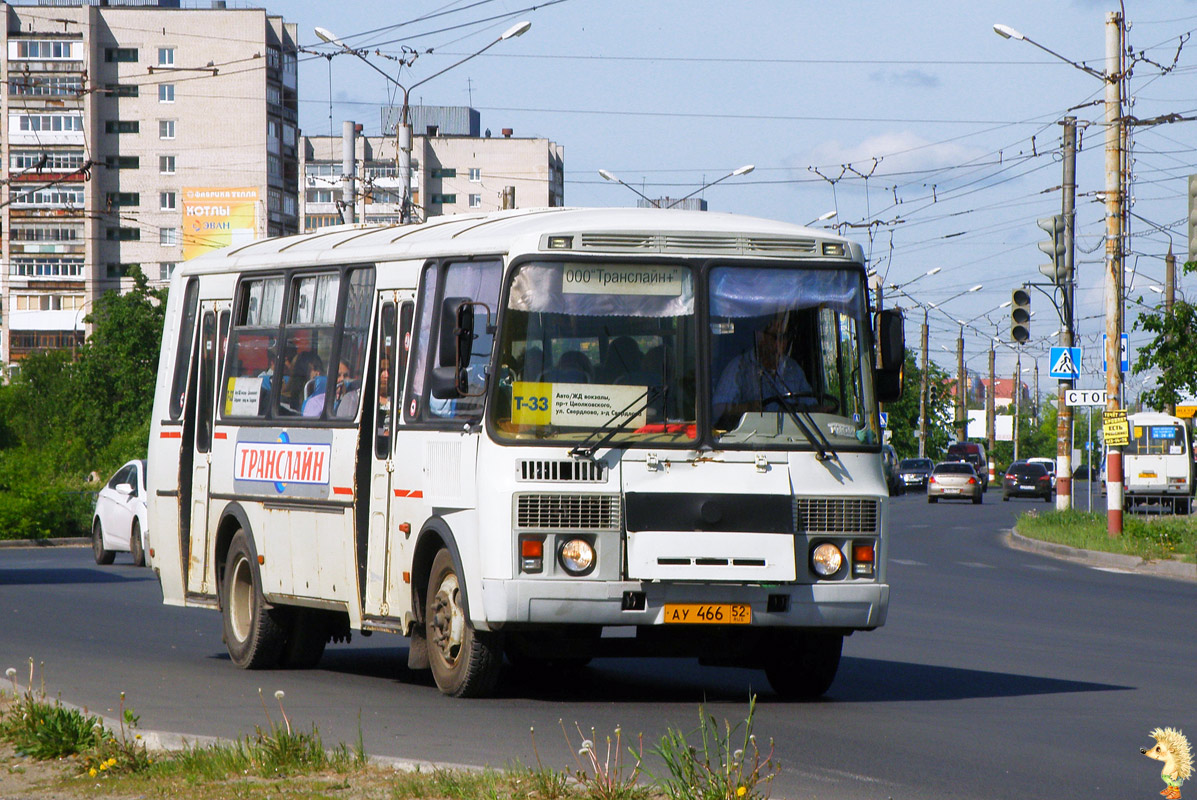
(587, 451)
(805, 422)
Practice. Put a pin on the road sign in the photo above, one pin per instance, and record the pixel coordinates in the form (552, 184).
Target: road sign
(884, 419)
(1064, 363)
(1115, 428)
(1125, 352)
(1085, 397)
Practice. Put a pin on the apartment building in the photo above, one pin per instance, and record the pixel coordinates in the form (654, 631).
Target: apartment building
(136, 133)
(454, 170)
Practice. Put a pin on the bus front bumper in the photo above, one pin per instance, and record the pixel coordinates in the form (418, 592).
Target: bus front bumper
(845, 605)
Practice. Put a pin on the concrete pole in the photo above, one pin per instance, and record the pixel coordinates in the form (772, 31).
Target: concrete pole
(348, 171)
(961, 406)
(989, 413)
(923, 394)
(1169, 298)
(1017, 398)
(1063, 411)
(1113, 281)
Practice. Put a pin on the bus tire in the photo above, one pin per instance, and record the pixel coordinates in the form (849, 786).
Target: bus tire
(103, 557)
(803, 667)
(253, 633)
(464, 662)
(135, 548)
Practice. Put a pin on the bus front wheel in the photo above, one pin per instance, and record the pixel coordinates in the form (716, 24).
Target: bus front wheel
(803, 666)
(253, 633)
(464, 662)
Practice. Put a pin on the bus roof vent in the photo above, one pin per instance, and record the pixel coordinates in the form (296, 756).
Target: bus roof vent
(700, 243)
(567, 512)
(562, 471)
(778, 244)
(835, 515)
(627, 242)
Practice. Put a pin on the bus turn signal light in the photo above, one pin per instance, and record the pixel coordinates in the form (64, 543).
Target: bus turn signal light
(863, 559)
(532, 555)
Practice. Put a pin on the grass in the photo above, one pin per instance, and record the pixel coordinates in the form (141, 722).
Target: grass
(1153, 538)
(49, 751)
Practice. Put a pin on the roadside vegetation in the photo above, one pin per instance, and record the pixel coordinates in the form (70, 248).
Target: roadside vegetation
(50, 750)
(68, 414)
(1152, 538)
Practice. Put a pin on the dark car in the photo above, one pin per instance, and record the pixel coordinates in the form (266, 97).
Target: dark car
(974, 454)
(913, 472)
(1027, 479)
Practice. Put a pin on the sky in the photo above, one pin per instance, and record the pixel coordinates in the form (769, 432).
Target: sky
(936, 141)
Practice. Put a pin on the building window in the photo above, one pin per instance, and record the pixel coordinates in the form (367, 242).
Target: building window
(168, 237)
(114, 270)
(45, 160)
(166, 56)
(30, 341)
(475, 201)
(445, 172)
(47, 302)
(321, 196)
(122, 126)
(166, 269)
(274, 166)
(58, 196)
(166, 165)
(48, 233)
(166, 93)
(122, 162)
(444, 199)
(166, 201)
(116, 55)
(122, 199)
(50, 122)
(313, 221)
(45, 50)
(60, 267)
(45, 85)
(122, 234)
(121, 90)
(166, 129)
(475, 174)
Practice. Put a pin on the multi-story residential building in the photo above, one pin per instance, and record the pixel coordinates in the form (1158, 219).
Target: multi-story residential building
(454, 170)
(135, 133)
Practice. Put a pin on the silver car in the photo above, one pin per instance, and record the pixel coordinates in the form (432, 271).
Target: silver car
(955, 480)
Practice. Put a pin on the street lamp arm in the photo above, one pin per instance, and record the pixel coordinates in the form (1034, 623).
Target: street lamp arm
(744, 170)
(1006, 32)
(608, 176)
(518, 29)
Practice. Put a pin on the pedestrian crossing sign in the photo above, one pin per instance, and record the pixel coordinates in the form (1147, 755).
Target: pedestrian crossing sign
(1065, 363)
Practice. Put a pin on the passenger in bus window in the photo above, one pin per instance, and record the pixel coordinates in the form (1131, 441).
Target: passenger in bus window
(762, 372)
(347, 392)
(303, 382)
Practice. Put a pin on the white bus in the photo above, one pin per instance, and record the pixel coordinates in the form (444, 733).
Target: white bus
(1157, 465)
(545, 435)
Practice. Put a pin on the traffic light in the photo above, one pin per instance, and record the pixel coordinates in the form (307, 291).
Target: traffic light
(1193, 218)
(1055, 270)
(1020, 315)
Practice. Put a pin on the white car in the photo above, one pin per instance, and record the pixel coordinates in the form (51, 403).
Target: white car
(119, 521)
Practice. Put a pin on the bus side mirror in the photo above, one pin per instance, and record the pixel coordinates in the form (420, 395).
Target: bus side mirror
(891, 355)
(451, 378)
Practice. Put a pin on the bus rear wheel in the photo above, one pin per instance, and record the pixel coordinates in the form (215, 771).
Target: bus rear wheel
(464, 662)
(803, 666)
(254, 634)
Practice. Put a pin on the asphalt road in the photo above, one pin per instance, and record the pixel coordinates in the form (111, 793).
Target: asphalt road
(1000, 674)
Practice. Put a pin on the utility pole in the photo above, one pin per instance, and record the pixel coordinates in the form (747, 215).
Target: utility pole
(1063, 410)
(348, 171)
(1113, 278)
(961, 413)
(989, 412)
(923, 393)
(1169, 298)
(1017, 398)
(1035, 401)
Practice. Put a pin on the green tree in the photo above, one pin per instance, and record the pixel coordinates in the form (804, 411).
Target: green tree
(1172, 351)
(904, 413)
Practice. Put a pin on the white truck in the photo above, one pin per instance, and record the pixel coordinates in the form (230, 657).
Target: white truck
(1157, 465)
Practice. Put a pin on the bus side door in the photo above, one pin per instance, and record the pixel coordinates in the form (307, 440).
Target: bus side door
(386, 592)
(214, 331)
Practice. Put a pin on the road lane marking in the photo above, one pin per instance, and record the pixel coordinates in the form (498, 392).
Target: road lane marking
(975, 564)
(907, 562)
(1042, 567)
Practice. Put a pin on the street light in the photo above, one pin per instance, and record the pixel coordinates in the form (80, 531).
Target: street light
(744, 170)
(900, 286)
(976, 288)
(823, 218)
(403, 127)
(608, 176)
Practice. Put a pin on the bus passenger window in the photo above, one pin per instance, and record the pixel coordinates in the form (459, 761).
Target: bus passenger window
(254, 351)
(348, 390)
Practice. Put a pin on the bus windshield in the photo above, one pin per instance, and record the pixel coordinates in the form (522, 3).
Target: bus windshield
(613, 349)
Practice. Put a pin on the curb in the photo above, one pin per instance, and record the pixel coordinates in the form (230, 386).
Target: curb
(75, 541)
(1172, 570)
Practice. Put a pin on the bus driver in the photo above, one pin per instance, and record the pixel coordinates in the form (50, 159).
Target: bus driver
(762, 372)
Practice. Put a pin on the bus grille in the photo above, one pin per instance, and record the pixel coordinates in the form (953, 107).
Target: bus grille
(567, 512)
(565, 471)
(827, 515)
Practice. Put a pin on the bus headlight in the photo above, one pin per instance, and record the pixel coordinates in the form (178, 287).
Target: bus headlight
(576, 557)
(826, 559)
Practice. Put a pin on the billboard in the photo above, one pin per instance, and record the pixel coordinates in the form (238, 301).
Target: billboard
(215, 217)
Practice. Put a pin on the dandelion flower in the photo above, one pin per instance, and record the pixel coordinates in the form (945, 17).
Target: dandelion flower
(112, 762)
(11, 672)
(279, 695)
(92, 772)
(738, 755)
(103, 766)
(587, 744)
(743, 790)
